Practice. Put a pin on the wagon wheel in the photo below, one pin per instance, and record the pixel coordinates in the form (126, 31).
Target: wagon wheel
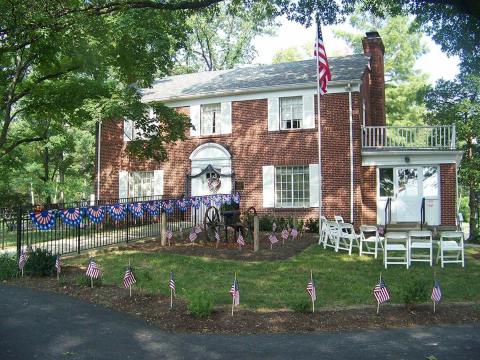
(248, 220)
(211, 222)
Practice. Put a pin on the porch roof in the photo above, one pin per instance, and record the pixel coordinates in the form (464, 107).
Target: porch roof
(281, 76)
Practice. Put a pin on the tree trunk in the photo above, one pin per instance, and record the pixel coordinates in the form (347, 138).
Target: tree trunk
(46, 163)
(472, 204)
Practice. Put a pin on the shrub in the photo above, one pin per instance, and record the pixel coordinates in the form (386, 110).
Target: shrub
(312, 225)
(200, 304)
(8, 267)
(302, 305)
(266, 222)
(84, 280)
(40, 262)
(416, 292)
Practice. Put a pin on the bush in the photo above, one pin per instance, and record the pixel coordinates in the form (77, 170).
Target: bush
(266, 222)
(302, 305)
(200, 304)
(416, 292)
(40, 262)
(312, 225)
(8, 267)
(84, 280)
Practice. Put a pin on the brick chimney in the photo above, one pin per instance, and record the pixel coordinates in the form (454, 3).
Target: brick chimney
(373, 47)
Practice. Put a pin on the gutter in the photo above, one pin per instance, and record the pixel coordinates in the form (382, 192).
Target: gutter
(350, 117)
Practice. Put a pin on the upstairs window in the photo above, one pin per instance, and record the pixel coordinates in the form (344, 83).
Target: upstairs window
(210, 119)
(291, 112)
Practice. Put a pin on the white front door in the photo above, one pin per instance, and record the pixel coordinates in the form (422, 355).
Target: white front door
(407, 200)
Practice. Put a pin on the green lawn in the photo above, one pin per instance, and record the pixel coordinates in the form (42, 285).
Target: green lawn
(340, 279)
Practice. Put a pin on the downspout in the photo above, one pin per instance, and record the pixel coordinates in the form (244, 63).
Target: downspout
(350, 115)
(98, 158)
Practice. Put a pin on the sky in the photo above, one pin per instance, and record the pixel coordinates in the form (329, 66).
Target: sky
(435, 63)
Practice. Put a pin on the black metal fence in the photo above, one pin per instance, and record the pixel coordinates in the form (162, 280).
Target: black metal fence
(73, 227)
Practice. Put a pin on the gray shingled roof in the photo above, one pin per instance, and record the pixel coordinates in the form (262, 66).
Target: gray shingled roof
(255, 77)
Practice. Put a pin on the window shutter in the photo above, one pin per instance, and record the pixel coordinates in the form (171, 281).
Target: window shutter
(314, 184)
(158, 182)
(308, 112)
(268, 186)
(127, 130)
(226, 118)
(273, 114)
(122, 184)
(195, 120)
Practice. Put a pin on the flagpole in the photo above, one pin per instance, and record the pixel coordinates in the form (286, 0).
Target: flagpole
(319, 140)
(313, 301)
(378, 302)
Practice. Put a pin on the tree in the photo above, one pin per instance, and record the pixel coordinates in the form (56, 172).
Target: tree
(295, 53)
(222, 38)
(403, 84)
(458, 102)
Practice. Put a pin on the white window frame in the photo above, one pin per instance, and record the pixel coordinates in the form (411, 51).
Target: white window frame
(281, 113)
(216, 119)
(305, 189)
(131, 190)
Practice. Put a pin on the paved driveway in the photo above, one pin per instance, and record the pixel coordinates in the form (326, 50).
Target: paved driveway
(42, 325)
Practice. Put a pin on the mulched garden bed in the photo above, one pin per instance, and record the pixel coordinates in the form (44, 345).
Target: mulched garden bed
(228, 250)
(155, 309)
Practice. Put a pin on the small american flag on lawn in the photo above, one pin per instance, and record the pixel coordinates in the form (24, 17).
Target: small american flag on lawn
(217, 236)
(240, 239)
(294, 233)
(285, 234)
(436, 292)
(272, 238)
(93, 270)
(192, 236)
(58, 264)
(169, 235)
(171, 284)
(198, 229)
(22, 260)
(323, 72)
(235, 292)
(129, 278)
(274, 226)
(380, 292)
(311, 289)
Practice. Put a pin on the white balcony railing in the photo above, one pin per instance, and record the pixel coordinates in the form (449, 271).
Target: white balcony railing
(413, 137)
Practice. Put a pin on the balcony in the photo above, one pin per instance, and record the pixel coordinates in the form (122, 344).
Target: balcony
(408, 137)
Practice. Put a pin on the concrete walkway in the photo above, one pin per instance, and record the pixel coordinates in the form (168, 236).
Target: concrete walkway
(42, 325)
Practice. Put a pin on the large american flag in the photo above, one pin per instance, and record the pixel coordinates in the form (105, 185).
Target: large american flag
(436, 292)
(129, 278)
(22, 260)
(58, 264)
(93, 270)
(311, 290)
(171, 284)
(380, 292)
(235, 292)
(323, 73)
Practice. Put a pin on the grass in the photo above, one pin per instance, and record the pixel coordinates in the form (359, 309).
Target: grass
(340, 279)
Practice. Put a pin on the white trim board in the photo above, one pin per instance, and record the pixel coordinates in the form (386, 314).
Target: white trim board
(259, 94)
(397, 158)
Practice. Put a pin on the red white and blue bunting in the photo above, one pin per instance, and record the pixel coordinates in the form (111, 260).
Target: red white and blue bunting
(168, 207)
(96, 214)
(183, 204)
(71, 216)
(117, 212)
(43, 220)
(136, 209)
(152, 207)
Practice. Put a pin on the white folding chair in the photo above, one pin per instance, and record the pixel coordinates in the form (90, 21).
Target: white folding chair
(450, 248)
(347, 237)
(369, 240)
(332, 233)
(396, 242)
(323, 229)
(338, 219)
(422, 241)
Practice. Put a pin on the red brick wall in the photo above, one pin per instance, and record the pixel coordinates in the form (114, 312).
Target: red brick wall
(448, 194)
(369, 195)
(253, 146)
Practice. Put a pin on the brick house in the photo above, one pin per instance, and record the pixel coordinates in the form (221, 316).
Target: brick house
(256, 128)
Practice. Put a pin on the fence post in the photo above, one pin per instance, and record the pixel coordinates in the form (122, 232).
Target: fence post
(163, 231)
(127, 226)
(19, 231)
(255, 233)
(78, 239)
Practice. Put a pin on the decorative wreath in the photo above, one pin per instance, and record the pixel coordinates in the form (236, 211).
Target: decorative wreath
(214, 183)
